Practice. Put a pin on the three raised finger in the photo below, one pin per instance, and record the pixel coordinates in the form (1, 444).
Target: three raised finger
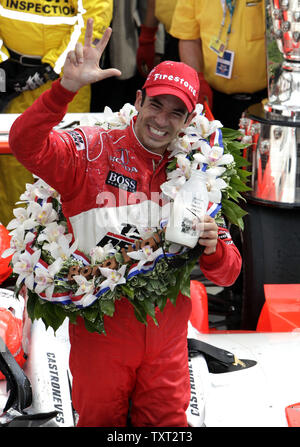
(101, 45)
(88, 37)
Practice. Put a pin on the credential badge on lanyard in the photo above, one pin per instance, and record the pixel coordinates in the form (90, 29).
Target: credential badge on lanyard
(216, 44)
(225, 57)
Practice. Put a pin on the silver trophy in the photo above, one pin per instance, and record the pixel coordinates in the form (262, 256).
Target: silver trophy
(271, 241)
(273, 127)
(283, 25)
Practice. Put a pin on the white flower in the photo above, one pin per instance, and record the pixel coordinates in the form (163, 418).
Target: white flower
(146, 254)
(61, 248)
(24, 267)
(89, 120)
(202, 127)
(18, 241)
(212, 156)
(114, 277)
(145, 232)
(85, 288)
(44, 278)
(171, 187)
(44, 191)
(39, 189)
(119, 119)
(126, 113)
(99, 254)
(22, 219)
(199, 109)
(51, 232)
(178, 177)
(180, 145)
(29, 195)
(110, 119)
(214, 187)
(42, 214)
(183, 167)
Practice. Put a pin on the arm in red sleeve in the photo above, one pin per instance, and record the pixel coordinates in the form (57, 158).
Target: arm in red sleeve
(44, 152)
(31, 129)
(224, 266)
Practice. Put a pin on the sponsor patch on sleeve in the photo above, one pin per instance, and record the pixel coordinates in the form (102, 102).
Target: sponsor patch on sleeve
(223, 233)
(78, 139)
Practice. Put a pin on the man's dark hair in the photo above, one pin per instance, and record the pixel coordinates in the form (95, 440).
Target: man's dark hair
(143, 96)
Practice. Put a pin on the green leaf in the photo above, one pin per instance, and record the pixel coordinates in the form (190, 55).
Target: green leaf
(51, 314)
(233, 212)
(127, 291)
(230, 134)
(172, 165)
(243, 174)
(73, 316)
(238, 184)
(139, 311)
(161, 302)
(234, 195)
(91, 313)
(186, 279)
(150, 310)
(96, 326)
(174, 290)
(107, 307)
(31, 305)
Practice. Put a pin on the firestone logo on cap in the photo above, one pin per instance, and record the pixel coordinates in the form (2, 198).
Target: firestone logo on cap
(174, 78)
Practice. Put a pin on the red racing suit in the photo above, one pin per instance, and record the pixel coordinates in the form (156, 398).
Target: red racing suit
(108, 183)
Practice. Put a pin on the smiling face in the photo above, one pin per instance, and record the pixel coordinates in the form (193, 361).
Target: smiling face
(159, 120)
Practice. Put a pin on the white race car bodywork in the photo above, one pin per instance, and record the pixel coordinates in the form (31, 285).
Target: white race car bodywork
(255, 396)
(251, 397)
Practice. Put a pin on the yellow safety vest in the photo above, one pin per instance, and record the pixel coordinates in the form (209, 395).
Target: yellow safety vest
(49, 28)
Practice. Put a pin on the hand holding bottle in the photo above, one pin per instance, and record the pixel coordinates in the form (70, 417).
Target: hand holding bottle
(209, 235)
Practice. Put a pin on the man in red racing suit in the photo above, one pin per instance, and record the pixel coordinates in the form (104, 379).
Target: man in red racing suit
(107, 181)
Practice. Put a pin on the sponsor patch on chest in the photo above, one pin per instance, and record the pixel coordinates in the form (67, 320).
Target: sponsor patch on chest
(121, 181)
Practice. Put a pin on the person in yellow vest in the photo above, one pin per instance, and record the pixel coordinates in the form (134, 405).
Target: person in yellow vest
(224, 40)
(35, 37)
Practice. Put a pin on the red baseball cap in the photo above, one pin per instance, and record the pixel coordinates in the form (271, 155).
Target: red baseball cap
(174, 78)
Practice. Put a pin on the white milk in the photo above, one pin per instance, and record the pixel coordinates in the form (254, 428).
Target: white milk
(190, 204)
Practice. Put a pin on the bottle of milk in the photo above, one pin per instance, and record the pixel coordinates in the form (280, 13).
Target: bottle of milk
(187, 211)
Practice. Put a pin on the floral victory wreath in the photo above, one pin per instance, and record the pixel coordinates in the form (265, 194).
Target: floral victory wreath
(63, 282)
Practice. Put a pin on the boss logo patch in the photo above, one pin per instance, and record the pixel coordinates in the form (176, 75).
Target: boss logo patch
(121, 181)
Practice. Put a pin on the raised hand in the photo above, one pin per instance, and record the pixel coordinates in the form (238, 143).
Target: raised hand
(82, 65)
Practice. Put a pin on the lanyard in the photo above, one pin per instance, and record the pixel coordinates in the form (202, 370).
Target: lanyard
(230, 5)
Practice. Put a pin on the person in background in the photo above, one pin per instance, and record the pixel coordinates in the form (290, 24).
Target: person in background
(35, 38)
(128, 15)
(158, 12)
(224, 40)
(146, 365)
